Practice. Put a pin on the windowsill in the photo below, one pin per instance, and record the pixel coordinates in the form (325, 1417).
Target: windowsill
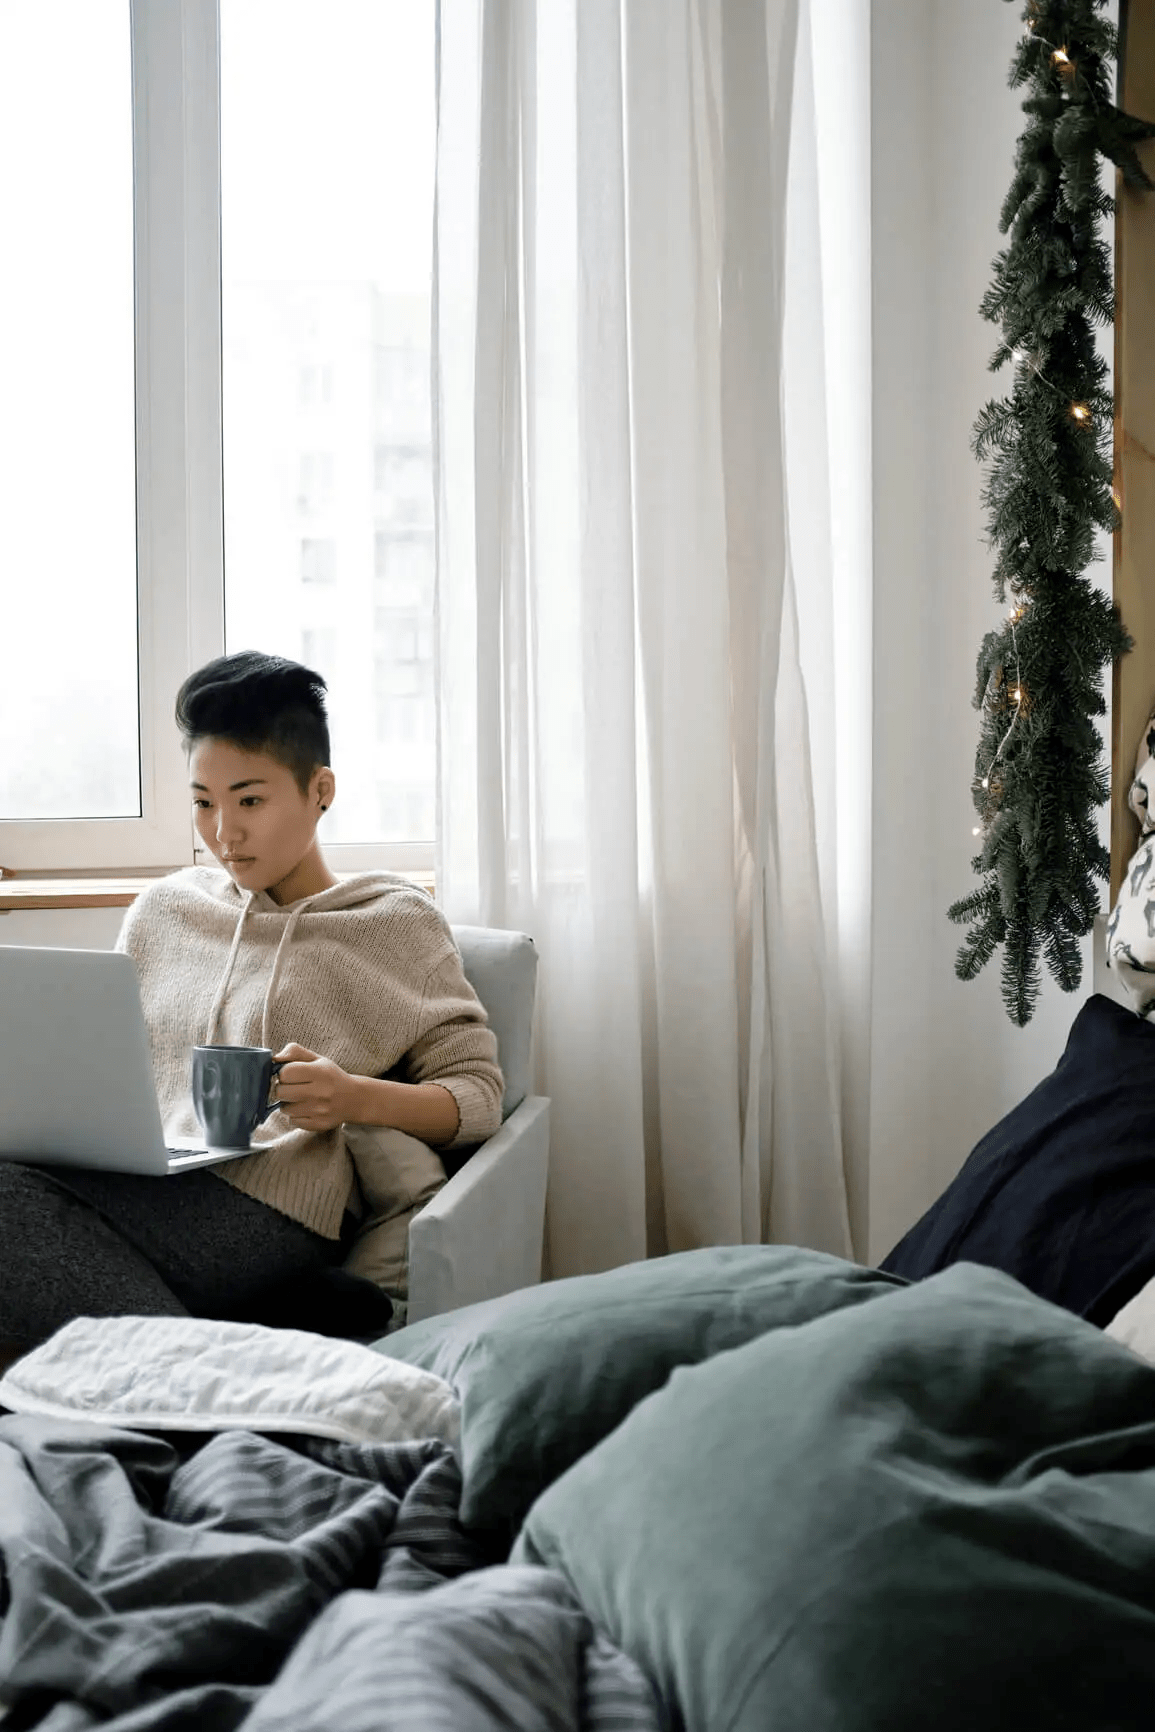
(106, 892)
(16, 893)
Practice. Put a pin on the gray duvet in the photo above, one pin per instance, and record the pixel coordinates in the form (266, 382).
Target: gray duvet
(155, 1584)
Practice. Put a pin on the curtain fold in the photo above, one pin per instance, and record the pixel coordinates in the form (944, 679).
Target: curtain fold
(625, 741)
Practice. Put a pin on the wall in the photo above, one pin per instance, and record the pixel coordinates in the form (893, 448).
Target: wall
(946, 1062)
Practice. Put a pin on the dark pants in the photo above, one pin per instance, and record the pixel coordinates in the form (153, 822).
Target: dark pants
(77, 1243)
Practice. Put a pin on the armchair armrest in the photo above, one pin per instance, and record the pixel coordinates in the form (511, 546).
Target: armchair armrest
(481, 1235)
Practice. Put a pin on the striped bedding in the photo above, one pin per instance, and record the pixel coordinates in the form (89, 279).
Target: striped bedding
(193, 1582)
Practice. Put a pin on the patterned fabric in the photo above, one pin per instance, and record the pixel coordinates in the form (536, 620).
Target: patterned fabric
(1131, 927)
(501, 1648)
(183, 1584)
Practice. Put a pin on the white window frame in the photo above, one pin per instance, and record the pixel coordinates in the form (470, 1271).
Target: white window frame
(179, 503)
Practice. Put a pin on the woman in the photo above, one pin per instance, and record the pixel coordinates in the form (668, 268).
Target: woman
(357, 984)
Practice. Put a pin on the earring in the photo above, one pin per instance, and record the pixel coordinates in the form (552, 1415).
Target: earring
(324, 808)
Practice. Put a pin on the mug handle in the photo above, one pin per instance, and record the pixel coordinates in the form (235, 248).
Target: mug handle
(271, 1106)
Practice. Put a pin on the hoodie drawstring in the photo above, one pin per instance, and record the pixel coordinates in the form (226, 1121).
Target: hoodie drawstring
(275, 974)
(218, 1001)
(286, 936)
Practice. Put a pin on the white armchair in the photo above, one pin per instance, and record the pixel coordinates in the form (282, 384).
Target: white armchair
(481, 1235)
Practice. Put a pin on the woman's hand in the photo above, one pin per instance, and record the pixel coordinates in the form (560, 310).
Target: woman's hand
(316, 1094)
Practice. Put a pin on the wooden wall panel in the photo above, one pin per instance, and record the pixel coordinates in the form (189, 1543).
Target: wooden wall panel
(1133, 689)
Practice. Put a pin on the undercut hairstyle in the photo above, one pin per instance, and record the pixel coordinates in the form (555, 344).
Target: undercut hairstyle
(261, 704)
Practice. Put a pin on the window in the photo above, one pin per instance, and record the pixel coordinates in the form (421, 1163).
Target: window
(327, 133)
(401, 476)
(318, 562)
(319, 646)
(256, 176)
(315, 490)
(68, 697)
(97, 606)
(315, 385)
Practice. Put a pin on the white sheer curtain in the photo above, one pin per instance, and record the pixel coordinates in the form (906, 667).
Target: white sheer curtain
(629, 769)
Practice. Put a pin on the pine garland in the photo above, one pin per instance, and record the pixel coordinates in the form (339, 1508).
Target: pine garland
(1038, 774)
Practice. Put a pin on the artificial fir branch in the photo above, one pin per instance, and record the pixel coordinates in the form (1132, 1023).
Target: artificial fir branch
(1038, 776)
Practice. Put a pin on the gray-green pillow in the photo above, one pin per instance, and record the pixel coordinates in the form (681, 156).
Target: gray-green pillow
(936, 1511)
(544, 1373)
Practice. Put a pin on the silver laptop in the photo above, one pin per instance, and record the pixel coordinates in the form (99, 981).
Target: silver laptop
(76, 1082)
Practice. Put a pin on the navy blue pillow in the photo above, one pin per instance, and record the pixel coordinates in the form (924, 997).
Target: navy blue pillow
(1061, 1194)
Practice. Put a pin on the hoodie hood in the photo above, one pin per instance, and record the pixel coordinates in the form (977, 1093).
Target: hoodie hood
(364, 889)
(359, 890)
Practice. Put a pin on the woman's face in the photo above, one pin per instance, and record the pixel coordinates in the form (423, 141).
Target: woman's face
(251, 814)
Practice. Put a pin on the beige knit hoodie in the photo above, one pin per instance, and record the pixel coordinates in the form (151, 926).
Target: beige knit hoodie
(366, 973)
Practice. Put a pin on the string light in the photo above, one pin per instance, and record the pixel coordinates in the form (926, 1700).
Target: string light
(1026, 359)
(1080, 412)
(1016, 693)
(1060, 59)
(1065, 67)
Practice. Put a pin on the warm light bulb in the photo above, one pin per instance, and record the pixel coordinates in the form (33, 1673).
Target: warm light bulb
(1080, 412)
(986, 782)
(1017, 695)
(1060, 57)
(977, 831)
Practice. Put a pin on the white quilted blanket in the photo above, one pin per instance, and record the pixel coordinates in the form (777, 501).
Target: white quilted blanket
(194, 1374)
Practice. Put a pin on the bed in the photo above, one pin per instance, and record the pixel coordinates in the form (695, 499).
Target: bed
(729, 1490)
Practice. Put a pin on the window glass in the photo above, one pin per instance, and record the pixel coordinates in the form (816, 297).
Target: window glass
(327, 143)
(69, 722)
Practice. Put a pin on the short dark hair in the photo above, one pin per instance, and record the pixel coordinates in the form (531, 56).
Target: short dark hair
(261, 703)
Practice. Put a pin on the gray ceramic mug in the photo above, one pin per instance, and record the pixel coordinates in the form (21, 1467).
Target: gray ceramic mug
(230, 1090)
